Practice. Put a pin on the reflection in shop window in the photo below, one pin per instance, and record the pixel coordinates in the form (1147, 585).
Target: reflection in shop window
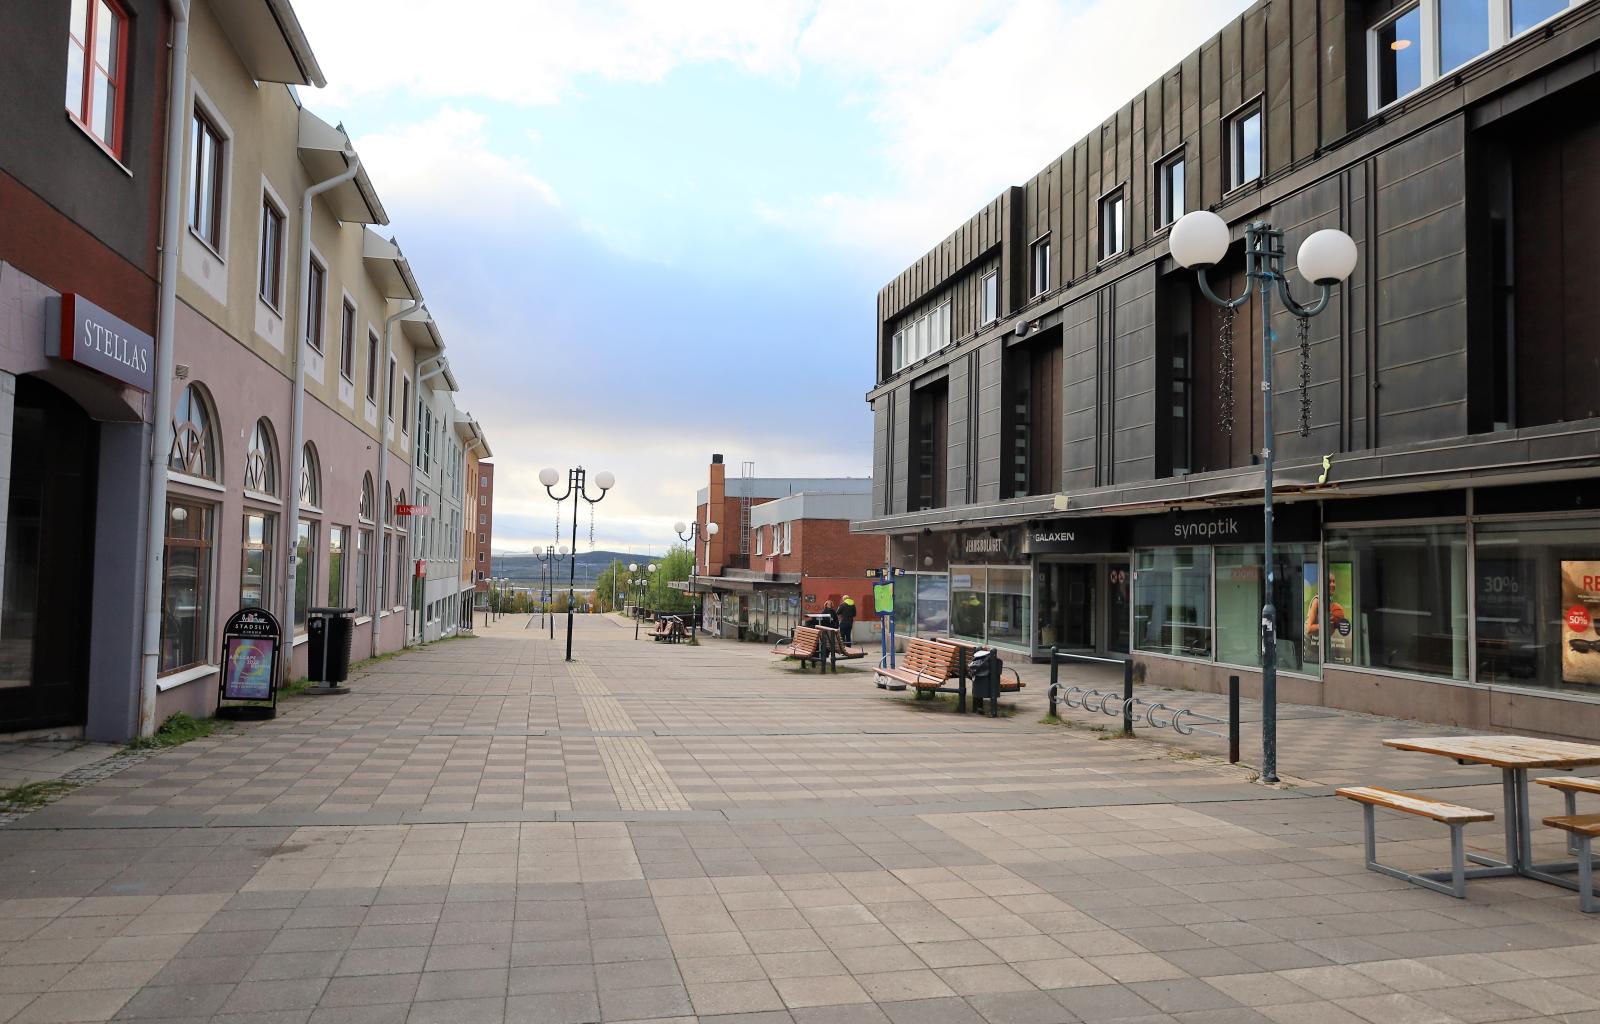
(1172, 601)
(305, 567)
(1538, 605)
(933, 603)
(186, 586)
(255, 571)
(1010, 606)
(1397, 599)
(969, 585)
(364, 572)
(1296, 598)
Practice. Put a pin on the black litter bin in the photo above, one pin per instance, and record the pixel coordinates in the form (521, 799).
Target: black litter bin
(328, 634)
(984, 673)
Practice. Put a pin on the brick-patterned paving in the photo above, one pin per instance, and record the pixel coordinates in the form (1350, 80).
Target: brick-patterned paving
(470, 836)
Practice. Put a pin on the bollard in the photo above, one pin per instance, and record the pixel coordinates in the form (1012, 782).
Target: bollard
(1055, 677)
(1127, 697)
(1233, 719)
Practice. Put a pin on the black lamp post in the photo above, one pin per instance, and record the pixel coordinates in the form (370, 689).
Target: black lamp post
(638, 584)
(1200, 240)
(576, 488)
(687, 534)
(547, 559)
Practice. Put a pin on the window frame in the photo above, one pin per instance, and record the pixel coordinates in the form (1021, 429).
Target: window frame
(1039, 278)
(316, 304)
(270, 264)
(349, 321)
(267, 547)
(373, 345)
(1114, 202)
(205, 123)
(1234, 125)
(204, 589)
(84, 114)
(1166, 210)
(989, 311)
(405, 404)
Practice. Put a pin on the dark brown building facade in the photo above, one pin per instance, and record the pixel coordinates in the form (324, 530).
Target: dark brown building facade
(1068, 434)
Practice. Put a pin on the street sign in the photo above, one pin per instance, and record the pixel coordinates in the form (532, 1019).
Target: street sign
(413, 510)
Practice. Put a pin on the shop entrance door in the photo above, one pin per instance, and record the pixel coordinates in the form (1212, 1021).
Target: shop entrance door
(49, 549)
(1067, 606)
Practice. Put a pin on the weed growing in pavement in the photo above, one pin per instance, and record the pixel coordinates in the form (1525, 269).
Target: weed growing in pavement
(33, 795)
(179, 728)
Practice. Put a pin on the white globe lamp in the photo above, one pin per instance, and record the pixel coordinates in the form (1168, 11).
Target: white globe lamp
(605, 479)
(711, 529)
(549, 477)
(1199, 239)
(679, 526)
(1327, 256)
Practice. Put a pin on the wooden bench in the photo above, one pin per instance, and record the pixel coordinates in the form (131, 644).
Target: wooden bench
(669, 629)
(1569, 787)
(968, 650)
(807, 644)
(1582, 829)
(836, 645)
(925, 665)
(1453, 815)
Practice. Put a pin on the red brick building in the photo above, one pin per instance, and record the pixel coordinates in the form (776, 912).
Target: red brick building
(480, 489)
(783, 548)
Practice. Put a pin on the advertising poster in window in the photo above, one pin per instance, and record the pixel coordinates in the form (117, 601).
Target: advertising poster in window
(247, 669)
(1341, 613)
(1580, 603)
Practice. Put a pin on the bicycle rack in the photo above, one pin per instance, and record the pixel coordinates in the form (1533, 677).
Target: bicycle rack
(1181, 720)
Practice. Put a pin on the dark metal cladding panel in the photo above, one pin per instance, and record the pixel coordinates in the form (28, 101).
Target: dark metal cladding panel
(960, 411)
(1079, 386)
(880, 455)
(1357, 309)
(988, 420)
(1312, 209)
(900, 448)
(1421, 274)
(1134, 378)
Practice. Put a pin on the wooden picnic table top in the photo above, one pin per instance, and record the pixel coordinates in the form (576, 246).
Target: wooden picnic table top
(1504, 751)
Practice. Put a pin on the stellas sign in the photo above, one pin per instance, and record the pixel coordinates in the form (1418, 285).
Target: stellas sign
(91, 337)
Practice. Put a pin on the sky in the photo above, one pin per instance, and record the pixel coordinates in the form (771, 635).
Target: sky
(651, 230)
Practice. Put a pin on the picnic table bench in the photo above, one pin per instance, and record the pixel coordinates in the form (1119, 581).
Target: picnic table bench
(807, 644)
(1454, 815)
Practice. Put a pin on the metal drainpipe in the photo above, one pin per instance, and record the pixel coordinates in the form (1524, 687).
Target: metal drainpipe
(411, 533)
(161, 397)
(297, 407)
(382, 478)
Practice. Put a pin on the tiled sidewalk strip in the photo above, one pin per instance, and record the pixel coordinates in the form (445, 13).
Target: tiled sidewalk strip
(640, 780)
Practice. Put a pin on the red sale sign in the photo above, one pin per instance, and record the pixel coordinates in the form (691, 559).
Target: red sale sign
(1578, 619)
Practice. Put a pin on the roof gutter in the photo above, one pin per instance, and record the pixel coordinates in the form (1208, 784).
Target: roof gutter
(161, 395)
(385, 515)
(298, 404)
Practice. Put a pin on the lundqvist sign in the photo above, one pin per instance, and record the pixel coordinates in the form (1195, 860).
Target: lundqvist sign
(89, 336)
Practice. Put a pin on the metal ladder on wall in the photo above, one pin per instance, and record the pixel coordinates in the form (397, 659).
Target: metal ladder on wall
(747, 473)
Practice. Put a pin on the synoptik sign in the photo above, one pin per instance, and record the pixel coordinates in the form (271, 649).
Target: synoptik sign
(91, 337)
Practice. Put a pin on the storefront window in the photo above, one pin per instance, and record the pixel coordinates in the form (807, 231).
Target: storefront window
(933, 603)
(1172, 601)
(1295, 597)
(338, 540)
(305, 567)
(186, 586)
(1397, 599)
(385, 593)
(905, 604)
(255, 572)
(1119, 599)
(364, 572)
(1010, 606)
(969, 589)
(1538, 594)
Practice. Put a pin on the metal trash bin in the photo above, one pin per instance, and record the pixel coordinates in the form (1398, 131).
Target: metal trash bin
(329, 632)
(983, 672)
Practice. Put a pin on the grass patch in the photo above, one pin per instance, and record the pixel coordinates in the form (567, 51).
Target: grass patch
(179, 728)
(33, 795)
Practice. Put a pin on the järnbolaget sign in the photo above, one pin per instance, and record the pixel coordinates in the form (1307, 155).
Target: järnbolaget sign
(89, 336)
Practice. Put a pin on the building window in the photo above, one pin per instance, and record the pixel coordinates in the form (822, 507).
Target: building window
(338, 541)
(1525, 14)
(347, 342)
(271, 285)
(97, 77)
(1244, 146)
(1396, 53)
(1239, 599)
(364, 572)
(316, 301)
(194, 445)
(366, 512)
(1169, 190)
(186, 586)
(1172, 601)
(1113, 238)
(480, 538)
(1538, 604)
(787, 537)
(1464, 31)
(405, 405)
(372, 367)
(480, 558)
(990, 288)
(992, 604)
(483, 500)
(205, 213)
(310, 478)
(1396, 598)
(255, 570)
(261, 461)
(305, 568)
(1039, 282)
(483, 520)
(758, 541)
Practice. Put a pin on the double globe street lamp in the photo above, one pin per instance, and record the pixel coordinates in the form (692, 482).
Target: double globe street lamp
(688, 534)
(1200, 240)
(547, 559)
(638, 583)
(577, 487)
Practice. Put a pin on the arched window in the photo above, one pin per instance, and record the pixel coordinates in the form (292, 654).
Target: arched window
(399, 520)
(388, 504)
(194, 443)
(310, 477)
(261, 461)
(366, 498)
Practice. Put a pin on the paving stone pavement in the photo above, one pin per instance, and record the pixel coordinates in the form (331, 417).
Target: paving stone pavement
(481, 832)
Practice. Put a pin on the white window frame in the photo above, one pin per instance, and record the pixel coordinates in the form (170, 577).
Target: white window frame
(1117, 195)
(758, 531)
(787, 537)
(269, 196)
(1235, 138)
(991, 310)
(1500, 35)
(203, 107)
(1039, 277)
(1170, 203)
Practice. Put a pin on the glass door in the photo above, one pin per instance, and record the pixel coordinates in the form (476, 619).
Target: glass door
(1119, 599)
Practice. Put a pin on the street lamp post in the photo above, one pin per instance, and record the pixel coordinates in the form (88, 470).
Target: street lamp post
(687, 534)
(547, 560)
(638, 583)
(576, 488)
(1200, 240)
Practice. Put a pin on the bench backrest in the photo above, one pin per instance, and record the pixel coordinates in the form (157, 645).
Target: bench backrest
(806, 639)
(931, 658)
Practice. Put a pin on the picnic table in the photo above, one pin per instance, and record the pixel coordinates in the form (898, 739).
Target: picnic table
(1514, 756)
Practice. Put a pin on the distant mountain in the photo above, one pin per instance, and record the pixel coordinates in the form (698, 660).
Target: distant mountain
(525, 570)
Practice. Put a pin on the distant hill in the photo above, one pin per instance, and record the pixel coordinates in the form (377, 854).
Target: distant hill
(524, 570)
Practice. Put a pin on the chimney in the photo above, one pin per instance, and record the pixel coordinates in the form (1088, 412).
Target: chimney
(716, 504)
